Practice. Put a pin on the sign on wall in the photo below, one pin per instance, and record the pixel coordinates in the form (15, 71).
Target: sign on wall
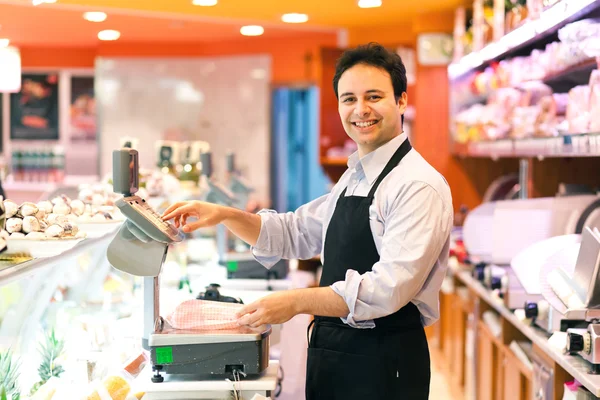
(34, 110)
(83, 123)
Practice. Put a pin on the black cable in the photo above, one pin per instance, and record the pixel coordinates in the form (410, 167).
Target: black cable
(279, 386)
(585, 215)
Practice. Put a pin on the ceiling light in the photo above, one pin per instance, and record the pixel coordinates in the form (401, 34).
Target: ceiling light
(4, 42)
(205, 3)
(10, 69)
(94, 16)
(369, 3)
(109, 34)
(38, 2)
(294, 18)
(252, 30)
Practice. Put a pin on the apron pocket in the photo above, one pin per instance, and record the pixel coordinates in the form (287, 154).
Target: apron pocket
(333, 375)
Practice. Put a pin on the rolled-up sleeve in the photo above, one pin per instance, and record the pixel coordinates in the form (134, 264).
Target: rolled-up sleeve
(290, 235)
(416, 228)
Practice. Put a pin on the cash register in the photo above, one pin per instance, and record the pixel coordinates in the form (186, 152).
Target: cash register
(139, 249)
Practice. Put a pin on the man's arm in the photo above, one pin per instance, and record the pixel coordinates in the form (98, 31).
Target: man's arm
(416, 232)
(280, 307)
(417, 226)
(243, 224)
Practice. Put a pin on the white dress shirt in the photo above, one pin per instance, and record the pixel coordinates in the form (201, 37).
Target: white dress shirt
(411, 218)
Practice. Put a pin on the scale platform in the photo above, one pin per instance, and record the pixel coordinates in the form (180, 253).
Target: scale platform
(211, 353)
(191, 387)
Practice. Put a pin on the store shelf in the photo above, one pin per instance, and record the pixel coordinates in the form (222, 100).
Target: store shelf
(12, 273)
(562, 82)
(575, 145)
(334, 161)
(574, 365)
(549, 22)
(559, 82)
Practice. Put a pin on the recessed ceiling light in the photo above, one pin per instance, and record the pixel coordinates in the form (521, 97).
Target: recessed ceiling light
(294, 18)
(94, 16)
(252, 30)
(109, 34)
(205, 3)
(4, 42)
(369, 3)
(38, 2)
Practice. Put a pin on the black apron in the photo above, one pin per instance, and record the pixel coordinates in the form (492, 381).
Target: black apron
(390, 361)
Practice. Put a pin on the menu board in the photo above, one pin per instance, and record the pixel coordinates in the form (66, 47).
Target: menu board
(34, 110)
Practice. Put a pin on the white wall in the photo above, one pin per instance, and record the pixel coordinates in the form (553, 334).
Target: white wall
(222, 100)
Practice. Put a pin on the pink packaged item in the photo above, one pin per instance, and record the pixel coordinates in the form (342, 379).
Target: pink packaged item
(578, 109)
(204, 315)
(595, 101)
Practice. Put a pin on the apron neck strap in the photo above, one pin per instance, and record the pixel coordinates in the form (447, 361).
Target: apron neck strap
(404, 148)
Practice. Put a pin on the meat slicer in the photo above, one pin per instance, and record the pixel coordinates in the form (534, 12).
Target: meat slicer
(496, 232)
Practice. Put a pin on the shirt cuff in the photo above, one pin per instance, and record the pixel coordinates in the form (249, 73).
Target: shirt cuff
(268, 247)
(348, 290)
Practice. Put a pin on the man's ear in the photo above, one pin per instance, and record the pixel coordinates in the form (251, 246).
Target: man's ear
(402, 102)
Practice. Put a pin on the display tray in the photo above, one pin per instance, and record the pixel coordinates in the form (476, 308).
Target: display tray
(40, 248)
(10, 260)
(98, 229)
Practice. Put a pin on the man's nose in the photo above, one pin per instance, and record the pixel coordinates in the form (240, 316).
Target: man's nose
(362, 109)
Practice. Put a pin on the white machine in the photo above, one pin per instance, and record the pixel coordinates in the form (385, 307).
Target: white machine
(140, 248)
(495, 233)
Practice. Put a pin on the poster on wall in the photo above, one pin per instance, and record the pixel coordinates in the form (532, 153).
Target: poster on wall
(83, 125)
(34, 110)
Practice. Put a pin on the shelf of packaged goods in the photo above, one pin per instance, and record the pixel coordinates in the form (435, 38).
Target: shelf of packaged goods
(11, 273)
(559, 82)
(547, 24)
(576, 366)
(565, 146)
(334, 161)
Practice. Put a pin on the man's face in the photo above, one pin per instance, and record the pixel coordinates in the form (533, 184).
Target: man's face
(368, 110)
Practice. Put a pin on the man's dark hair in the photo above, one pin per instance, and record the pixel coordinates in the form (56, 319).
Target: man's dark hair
(375, 55)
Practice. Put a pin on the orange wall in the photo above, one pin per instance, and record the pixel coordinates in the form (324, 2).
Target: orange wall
(404, 32)
(294, 59)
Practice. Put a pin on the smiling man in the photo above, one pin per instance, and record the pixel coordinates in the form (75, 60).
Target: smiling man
(383, 233)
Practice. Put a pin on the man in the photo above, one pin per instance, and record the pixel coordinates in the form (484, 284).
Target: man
(383, 233)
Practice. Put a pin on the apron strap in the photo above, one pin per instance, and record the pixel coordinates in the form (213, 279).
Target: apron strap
(404, 148)
(308, 331)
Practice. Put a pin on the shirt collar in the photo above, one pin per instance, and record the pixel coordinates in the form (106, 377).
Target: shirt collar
(374, 162)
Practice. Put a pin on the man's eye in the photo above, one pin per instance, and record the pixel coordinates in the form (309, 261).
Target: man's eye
(347, 100)
(375, 97)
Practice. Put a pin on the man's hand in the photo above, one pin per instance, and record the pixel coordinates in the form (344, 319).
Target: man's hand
(275, 308)
(280, 307)
(207, 214)
(244, 225)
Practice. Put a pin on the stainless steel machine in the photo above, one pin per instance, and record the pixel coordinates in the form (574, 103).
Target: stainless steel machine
(240, 265)
(140, 248)
(505, 241)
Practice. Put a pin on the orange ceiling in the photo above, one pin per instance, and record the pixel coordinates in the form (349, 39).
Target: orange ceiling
(332, 13)
(50, 26)
(61, 23)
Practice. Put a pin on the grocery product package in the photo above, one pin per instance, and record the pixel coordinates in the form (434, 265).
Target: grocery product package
(523, 121)
(204, 315)
(595, 101)
(120, 384)
(580, 30)
(578, 109)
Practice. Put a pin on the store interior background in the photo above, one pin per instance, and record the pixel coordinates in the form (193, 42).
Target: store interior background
(184, 72)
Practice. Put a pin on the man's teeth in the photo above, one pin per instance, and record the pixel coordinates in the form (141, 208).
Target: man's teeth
(365, 124)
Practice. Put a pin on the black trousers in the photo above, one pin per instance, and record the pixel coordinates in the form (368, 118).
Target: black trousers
(348, 363)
